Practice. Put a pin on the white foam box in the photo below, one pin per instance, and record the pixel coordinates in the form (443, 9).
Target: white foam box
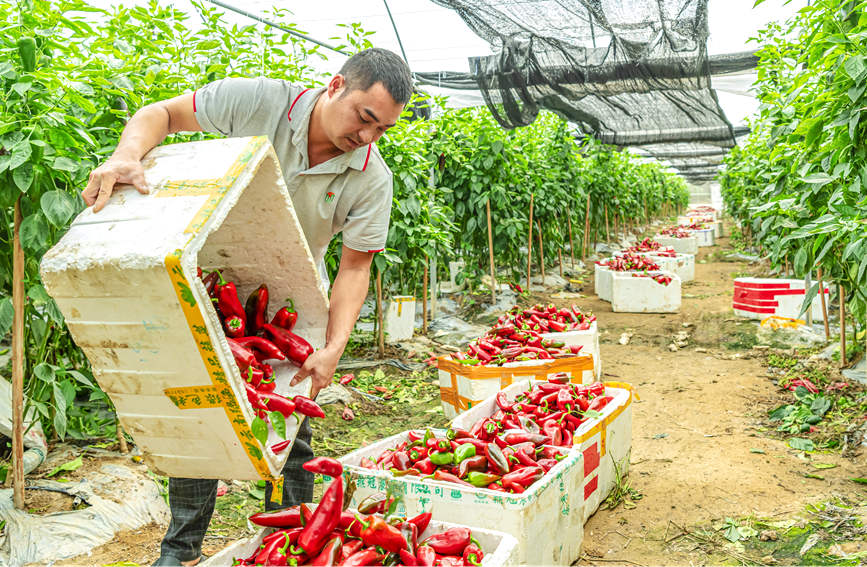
(605, 442)
(758, 298)
(604, 282)
(701, 213)
(704, 237)
(589, 342)
(125, 279)
(681, 264)
(687, 245)
(462, 386)
(546, 519)
(399, 318)
(631, 294)
(499, 548)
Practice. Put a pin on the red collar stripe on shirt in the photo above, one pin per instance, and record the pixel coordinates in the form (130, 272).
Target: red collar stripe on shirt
(291, 106)
(194, 101)
(367, 159)
(375, 251)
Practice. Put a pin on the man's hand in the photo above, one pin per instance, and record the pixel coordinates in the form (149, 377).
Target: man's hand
(320, 366)
(103, 178)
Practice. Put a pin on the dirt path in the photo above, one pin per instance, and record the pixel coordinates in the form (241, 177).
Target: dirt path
(698, 456)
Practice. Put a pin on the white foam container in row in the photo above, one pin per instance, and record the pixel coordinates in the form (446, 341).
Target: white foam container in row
(686, 245)
(681, 264)
(631, 294)
(588, 340)
(547, 519)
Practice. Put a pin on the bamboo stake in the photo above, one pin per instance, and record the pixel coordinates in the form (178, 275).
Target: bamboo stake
(121, 439)
(586, 228)
(17, 361)
(491, 253)
(379, 313)
(530, 243)
(824, 307)
(646, 216)
(541, 252)
(607, 234)
(560, 254)
(571, 243)
(616, 232)
(424, 299)
(842, 326)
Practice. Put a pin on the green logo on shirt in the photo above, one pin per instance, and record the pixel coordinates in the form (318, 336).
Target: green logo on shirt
(329, 197)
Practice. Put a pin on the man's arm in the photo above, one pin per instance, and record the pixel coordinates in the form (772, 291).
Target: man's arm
(347, 297)
(145, 130)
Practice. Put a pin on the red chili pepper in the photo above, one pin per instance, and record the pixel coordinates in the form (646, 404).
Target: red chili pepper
(378, 532)
(425, 555)
(444, 476)
(401, 460)
(267, 348)
(350, 548)
(407, 558)
(271, 548)
(256, 309)
(522, 478)
(347, 378)
(281, 446)
(552, 429)
(266, 384)
(227, 299)
(291, 533)
(253, 396)
(473, 554)
(285, 518)
(450, 542)
(210, 281)
(596, 388)
(324, 465)
(324, 519)
(413, 435)
(568, 438)
(496, 459)
(286, 317)
(294, 347)
(478, 463)
(308, 407)
(417, 453)
(367, 556)
(244, 357)
(503, 402)
(234, 327)
(524, 458)
(330, 554)
(272, 401)
(421, 521)
(515, 438)
(599, 403)
(425, 466)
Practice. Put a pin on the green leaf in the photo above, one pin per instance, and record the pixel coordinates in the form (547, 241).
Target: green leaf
(58, 207)
(820, 406)
(68, 466)
(81, 378)
(37, 294)
(854, 67)
(824, 465)
(22, 176)
(859, 480)
(65, 164)
(20, 154)
(732, 533)
(818, 179)
(800, 260)
(35, 233)
(60, 404)
(278, 422)
(260, 430)
(801, 444)
(45, 372)
(7, 313)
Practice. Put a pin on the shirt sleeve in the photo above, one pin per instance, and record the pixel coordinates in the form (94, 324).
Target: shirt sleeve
(366, 226)
(236, 107)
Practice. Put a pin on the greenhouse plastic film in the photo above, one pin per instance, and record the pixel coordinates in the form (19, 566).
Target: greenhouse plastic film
(125, 280)
(551, 507)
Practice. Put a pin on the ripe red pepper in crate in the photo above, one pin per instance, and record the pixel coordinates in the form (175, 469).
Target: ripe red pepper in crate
(286, 317)
(294, 347)
(325, 466)
(266, 349)
(227, 299)
(324, 519)
(256, 309)
(308, 407)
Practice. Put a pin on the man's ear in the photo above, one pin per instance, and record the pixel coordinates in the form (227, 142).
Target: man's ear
(336, 85)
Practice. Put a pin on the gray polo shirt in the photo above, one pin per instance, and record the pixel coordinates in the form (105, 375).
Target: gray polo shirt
(351, 192)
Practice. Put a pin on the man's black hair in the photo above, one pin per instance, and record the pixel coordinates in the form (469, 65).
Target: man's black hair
(377, 65)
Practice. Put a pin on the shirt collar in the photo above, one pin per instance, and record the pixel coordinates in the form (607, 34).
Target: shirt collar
(299, 122)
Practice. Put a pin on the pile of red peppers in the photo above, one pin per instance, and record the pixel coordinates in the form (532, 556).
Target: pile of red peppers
(507, 451)
(675, 232)
(518, 336)
(661, 279)
(330, 535)
(630, 262)
(646, 245)
(253, 341)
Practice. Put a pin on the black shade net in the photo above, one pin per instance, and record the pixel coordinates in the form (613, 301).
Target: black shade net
(632, 73)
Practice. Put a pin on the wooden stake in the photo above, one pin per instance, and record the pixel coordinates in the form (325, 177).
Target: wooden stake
(379, 313)
(424, 298)
(541, 252)
(842, 326)
(571, 243)
(607, 234)
(491, 253)
(646, 216)
(824, 307)
(560, 254)
(530, 243)
(586, 228)
(17, 361)
(616, 231)
(121, 439)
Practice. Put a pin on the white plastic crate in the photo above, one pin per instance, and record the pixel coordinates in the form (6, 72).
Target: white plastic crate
(704, 237)
(687, 245)
(682, 264)
(631, 294)
(462, 386)
(589, 341)
(546, 519)
(758, 298)
(500, 549)
(400, 318)
(125, 279)
(605, 442)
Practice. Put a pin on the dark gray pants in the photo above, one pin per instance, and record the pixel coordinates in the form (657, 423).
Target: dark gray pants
(191, 500)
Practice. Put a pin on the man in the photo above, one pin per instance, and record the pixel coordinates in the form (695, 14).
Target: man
(338, 182)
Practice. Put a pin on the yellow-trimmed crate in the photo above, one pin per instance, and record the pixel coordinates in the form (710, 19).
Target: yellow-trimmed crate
(125, 279)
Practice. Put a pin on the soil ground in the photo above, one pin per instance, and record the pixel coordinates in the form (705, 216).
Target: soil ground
(704, 456)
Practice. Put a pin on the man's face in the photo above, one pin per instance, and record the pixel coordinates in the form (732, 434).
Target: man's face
(356, 118)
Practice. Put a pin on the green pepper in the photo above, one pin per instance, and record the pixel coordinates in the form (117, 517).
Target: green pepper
(27, 53)
(481, 479)
(446, 458)
(464, 451)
